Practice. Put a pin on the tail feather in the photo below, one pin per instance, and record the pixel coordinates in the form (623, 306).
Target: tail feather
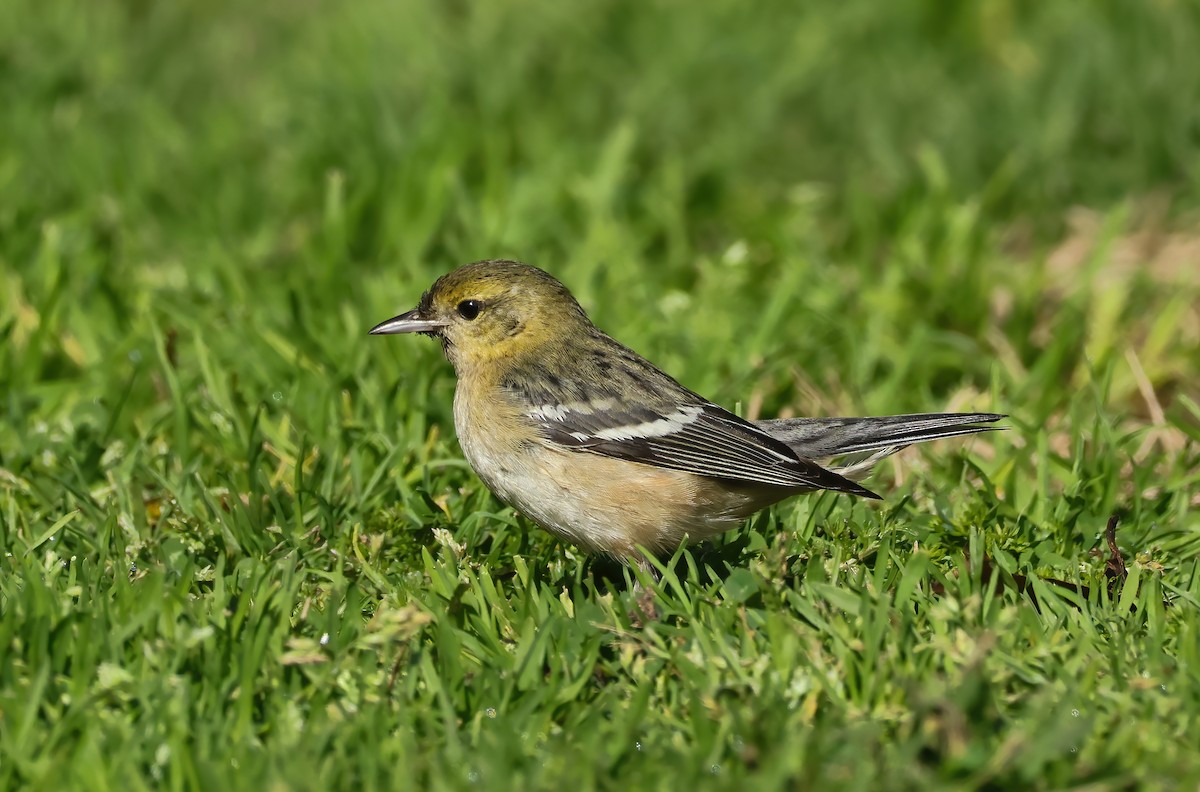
(818, 438)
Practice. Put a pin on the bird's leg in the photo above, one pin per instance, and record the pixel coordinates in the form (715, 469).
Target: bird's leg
(644, 610)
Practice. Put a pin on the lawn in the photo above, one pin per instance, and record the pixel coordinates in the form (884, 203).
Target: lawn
(240, 547)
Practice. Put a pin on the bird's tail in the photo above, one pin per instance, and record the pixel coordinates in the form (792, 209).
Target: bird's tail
(822, 438)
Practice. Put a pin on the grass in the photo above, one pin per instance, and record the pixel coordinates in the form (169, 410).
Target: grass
(241, 548)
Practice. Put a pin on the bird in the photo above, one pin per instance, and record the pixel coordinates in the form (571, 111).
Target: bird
(600, 447)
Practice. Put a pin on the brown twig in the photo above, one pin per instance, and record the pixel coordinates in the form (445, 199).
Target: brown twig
(1114, 569)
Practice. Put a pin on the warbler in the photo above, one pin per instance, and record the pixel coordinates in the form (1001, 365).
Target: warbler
(595, 444)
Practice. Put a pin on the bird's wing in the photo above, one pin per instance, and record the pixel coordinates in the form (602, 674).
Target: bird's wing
(693, 435)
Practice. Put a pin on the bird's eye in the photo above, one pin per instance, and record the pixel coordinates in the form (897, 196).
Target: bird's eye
(469, 309)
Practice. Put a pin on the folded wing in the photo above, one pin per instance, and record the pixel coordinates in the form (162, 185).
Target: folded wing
(694, 436)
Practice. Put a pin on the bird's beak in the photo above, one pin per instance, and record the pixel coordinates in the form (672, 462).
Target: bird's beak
(410, 322)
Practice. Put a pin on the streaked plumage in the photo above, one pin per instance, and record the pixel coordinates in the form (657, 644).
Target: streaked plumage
(599, 446)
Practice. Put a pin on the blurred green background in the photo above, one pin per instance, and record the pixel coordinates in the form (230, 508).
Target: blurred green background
(241, 547)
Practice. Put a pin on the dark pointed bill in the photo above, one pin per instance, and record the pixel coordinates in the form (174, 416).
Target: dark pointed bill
(410, 322)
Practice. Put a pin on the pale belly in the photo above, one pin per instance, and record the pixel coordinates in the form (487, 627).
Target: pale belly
(600, 503)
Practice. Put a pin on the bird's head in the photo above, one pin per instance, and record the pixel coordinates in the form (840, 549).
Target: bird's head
(492, 311)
